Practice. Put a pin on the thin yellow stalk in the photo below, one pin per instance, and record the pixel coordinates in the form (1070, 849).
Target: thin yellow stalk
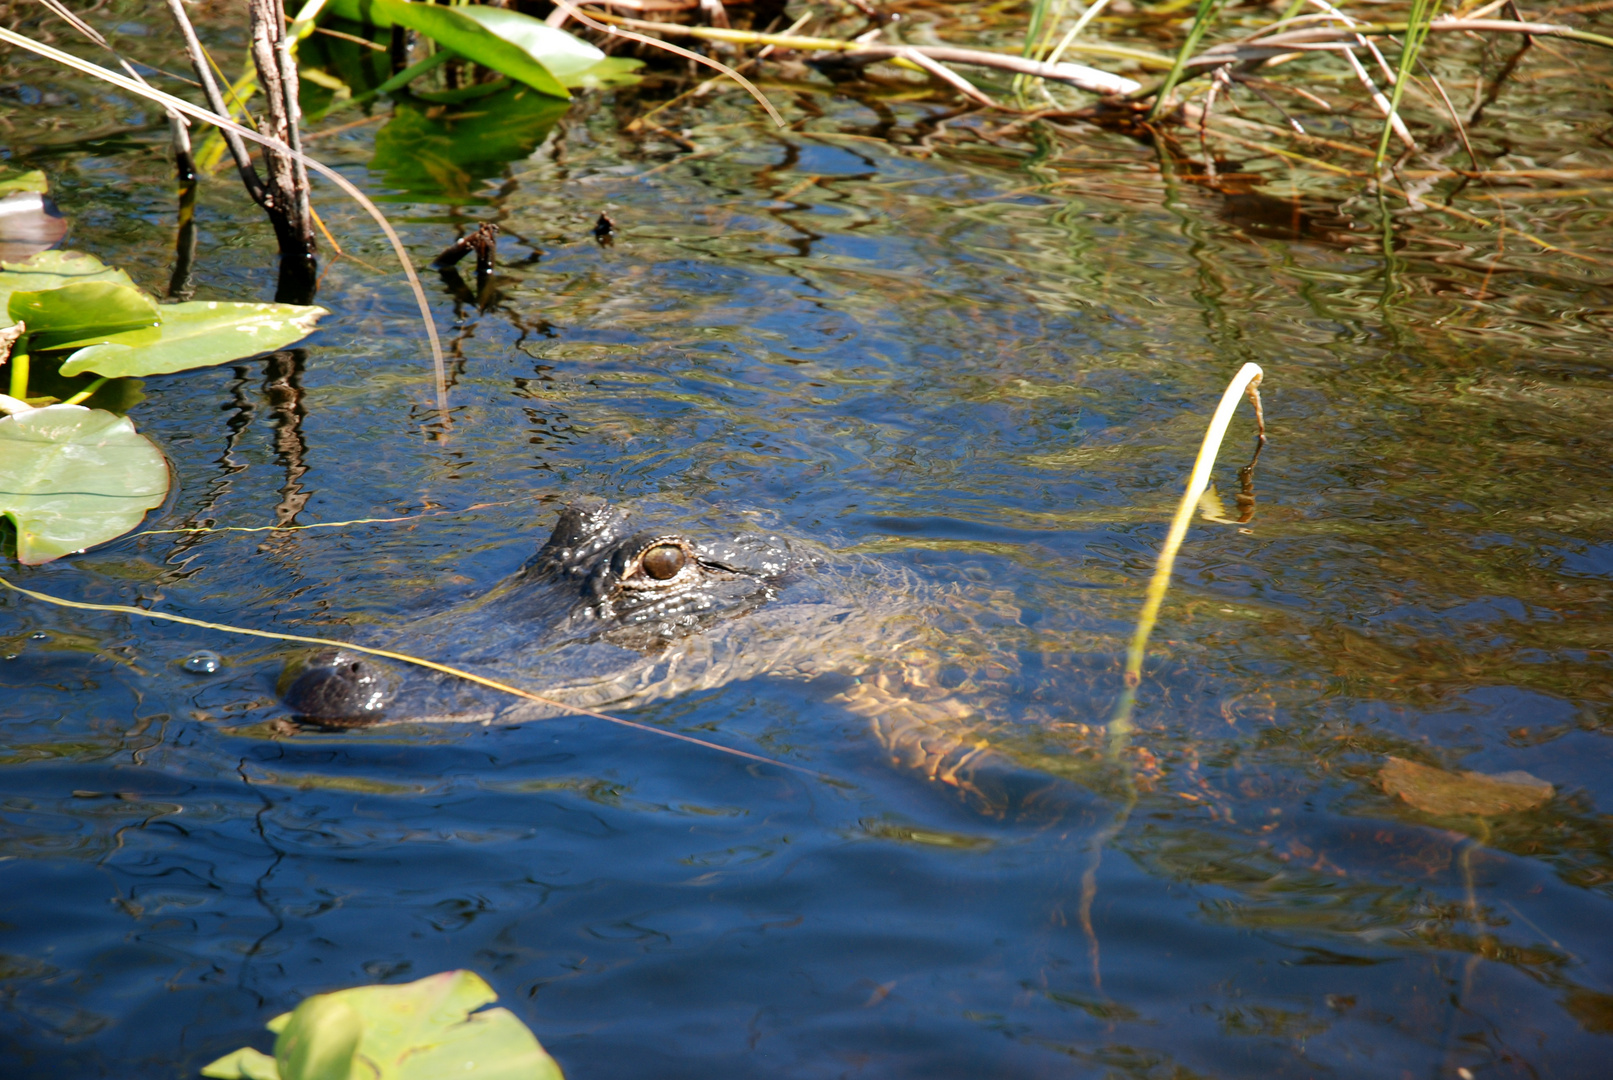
(1246, 380)
(1075, 31)
(405, 658)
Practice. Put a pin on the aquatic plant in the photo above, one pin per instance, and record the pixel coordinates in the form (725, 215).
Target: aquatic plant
(72, 475)
(1246, 381)
(186, 108)
(424, 1030)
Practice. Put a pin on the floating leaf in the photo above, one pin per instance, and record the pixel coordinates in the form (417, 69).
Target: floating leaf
(71, 477)
(82, 313)
(1448, 794)
(245, 1064)
(611, 71)
(320, 1040)
(53, 269)
(33, 181)
(482, 34)
(423, 1030)
(200, 333)
(563, 55)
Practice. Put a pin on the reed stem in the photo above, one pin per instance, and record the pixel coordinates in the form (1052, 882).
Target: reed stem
(1246, 380)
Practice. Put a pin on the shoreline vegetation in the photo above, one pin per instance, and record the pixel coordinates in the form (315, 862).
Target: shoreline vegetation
(1386, 112)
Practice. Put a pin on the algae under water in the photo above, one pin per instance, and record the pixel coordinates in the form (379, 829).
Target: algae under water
(990, 370)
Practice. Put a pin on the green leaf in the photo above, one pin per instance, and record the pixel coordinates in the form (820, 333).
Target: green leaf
(244, 1064)
(424, 1030)
(490, 1045)
(66, 265)
(81, 314)
(29, 181)
(563, 54)
(200, 333)
(320, 1041)
(470, 32)
(611, 71)
(349, 62)
(53, 269)
(71, 477)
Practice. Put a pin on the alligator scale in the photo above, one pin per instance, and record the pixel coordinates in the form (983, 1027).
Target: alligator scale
(609, 616)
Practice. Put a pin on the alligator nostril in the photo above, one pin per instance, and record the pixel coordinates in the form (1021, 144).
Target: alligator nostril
(333, 686)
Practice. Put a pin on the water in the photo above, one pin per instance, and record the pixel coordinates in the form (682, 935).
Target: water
(939, 362)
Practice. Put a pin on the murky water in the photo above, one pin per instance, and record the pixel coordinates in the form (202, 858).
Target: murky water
(940, 363)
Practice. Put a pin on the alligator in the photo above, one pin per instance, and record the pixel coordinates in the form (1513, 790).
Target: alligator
(607, 616)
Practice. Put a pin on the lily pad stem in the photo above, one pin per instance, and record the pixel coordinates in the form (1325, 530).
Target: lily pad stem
(84, 395)
(19, 370)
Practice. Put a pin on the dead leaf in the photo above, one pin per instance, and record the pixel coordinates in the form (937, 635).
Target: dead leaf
(1447, 794)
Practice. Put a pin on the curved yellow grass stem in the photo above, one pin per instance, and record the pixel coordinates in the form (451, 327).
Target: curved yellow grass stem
(315, 525)
(405, 658)
(1247, 380)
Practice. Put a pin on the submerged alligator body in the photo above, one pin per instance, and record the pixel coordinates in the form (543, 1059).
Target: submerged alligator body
(608, 616)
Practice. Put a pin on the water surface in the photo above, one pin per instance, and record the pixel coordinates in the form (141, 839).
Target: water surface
(946, 362)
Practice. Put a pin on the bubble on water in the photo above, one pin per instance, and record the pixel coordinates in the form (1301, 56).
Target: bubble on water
(11, 656)
(38, 635)
(203, 662)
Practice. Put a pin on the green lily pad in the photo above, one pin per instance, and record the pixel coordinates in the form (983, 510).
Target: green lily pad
(200, 333)
(82, 313)
(502, 40)
(563, 54)
(1447, 794)
(245, 1064)
(71, 477)
(422, 1030)
(33, 181)
(611, 71)
(52, 270)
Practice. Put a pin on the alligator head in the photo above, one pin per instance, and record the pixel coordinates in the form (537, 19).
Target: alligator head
(596, 579)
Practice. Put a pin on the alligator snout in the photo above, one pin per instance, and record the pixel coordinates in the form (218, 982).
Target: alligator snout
(339, 687)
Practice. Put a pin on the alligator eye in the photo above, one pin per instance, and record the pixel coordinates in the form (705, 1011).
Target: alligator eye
(663, 561)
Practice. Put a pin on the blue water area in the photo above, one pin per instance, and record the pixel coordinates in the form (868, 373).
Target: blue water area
(991, 393)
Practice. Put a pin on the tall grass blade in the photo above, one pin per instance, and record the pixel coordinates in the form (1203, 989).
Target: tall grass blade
(1075, 31)
(1201, 23)
(1416, 33)
(1247, 380)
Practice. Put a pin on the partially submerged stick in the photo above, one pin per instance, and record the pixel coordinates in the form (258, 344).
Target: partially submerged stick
(1246, 380)
(494, 684)
(183, 106)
